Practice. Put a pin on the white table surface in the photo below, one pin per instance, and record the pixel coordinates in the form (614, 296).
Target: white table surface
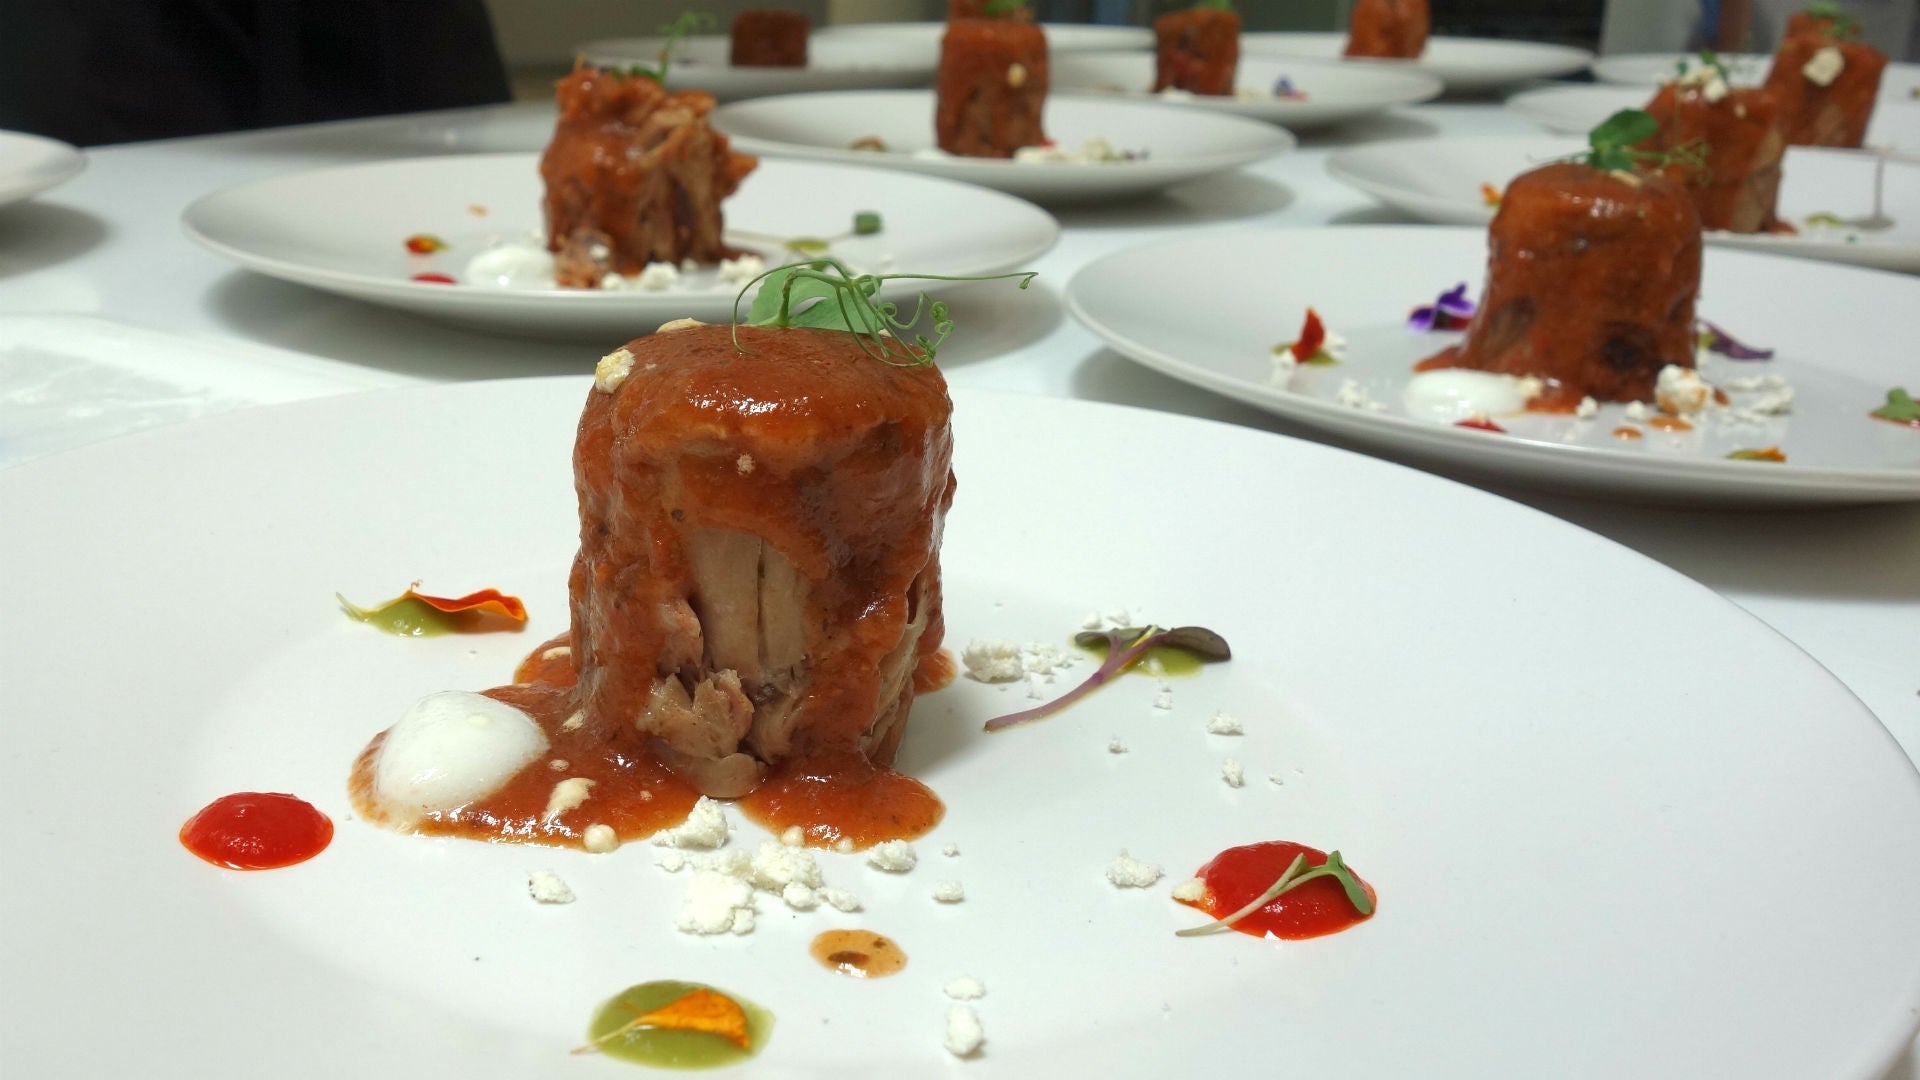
(1843, 584)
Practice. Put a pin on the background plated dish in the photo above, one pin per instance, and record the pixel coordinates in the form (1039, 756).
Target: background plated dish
(1180, 144)
(1061, 37)
(1897, 82)
(1171, 306)
(1439, 180)
(30, 164)
(1334, 92)
(702, 62)
(1631, 922)
(344, 230)
(1465, 65)
(1575, 110)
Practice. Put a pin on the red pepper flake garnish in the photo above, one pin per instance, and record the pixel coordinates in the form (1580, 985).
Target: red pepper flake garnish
(1490, 195)
(414, 614)
(425, 244)
(1480, 423)
(435, 279)
(1765, 453)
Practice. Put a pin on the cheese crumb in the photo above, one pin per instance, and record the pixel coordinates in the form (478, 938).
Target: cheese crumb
(612, 370)
(1163, 698)
(965, 988)
(716, 903)
(1127, 872)
(1232, 773)
(964, 1034)
(949, 892)
(671, 861)
(1681, 391)
(992, 660)
(741, 270)
(559, 764)
(1587, 409)
(557, 652)
(657, 277)
(743, 464)
(678, 324)
(567, 795)
(1192, 889)
(1353, 397)
(893, 856)
(844, 845)
(1222, 724)
(1284, 365)
(1115, 746)
(547, 888)
(706, 827)
(794, 836)
(951, 851)
(800, 897)
(574, 722)
(775, 866)
(1638, 411)
(839, 899)
(1824, 66)
(599, 839)
(1276, 779)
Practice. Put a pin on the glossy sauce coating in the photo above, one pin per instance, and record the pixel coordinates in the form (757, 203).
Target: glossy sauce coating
(1196, 50)
(860, 954)
(1737, 185)
(991, 87)
(1236, 876)
(1395, 29)
(1833, 115)
(253, 830)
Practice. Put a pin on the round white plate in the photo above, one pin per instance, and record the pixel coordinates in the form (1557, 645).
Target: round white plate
(702, 62)
(1465, 65)
(1652, 836)
(343, 230)
(1181, 144)
(1061, 37)
(1575, 110)
(1898, 81)
(1439, 180)
(30, 164)
(1207, 309)
(1334, 92)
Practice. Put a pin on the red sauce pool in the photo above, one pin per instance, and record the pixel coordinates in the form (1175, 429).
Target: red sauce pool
(254, 830)
(435, 279)
(1478, 424)
(1237, 875)
(842, 794)
(1624, 432)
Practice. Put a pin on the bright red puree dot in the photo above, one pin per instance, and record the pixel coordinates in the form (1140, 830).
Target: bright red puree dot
(254, 830)
(1237, 875)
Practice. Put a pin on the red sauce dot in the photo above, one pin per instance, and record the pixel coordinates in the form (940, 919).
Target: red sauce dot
(435, 279)
(255, 830)
(1476, 424)
(1237, 875)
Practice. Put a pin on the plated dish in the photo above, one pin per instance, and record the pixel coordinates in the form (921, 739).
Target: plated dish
(1299, 94)
(1827, 195)
(1897, 82)
(1168, 306)
(434, 954)
(703, 62)
(1061, 37)
(1168, 144)
(30, 164)
(1574, 110)
(1465, 65)
(345, 230)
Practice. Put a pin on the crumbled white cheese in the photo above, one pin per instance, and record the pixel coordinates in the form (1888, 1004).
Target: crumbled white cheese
(1163, 698)
(1191, 889)
(1174, 93)
(732, 861)
(964, 1034)
(1824, 66)
(557, 652)
(775, 866)
(599, 838)
(546, 887)
(1587, 409)
(567, 795)
(656, 276)
(893, 856)
(1284, 365)
(951, 851)
(1232, 773)
(794, 836)
(800, 897)
(743, 464)
(741, 270)
(559, 764)
(574, 722)
(1016, 75)
(992, 660)
(1637, 410)
(671, 861)
(1744, 383)
(1115, 746)
(839, 899)
(965, 988)
(1528, 386)
(1094, 151)
(1276, 779)
(1681, 391)
(612, 370)
(715, 903)
(678, 324)
(844, 845)
(1353, 397)
(1706, 78)
(705, 828)
(1222, 724)
(1127, 872)
(949, 892)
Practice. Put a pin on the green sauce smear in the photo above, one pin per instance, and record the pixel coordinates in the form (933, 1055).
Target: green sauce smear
(666, 1049)
(1159, 661)
(406, 618)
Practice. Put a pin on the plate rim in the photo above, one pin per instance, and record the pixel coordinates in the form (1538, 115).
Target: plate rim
(63, 162)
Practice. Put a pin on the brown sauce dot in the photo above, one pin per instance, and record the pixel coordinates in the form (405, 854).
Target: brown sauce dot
(1624, 432)
(859, 954)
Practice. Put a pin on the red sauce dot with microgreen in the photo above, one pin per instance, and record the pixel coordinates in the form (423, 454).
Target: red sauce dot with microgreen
(1238, 875)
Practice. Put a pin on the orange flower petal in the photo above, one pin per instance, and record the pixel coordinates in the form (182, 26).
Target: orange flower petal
(492, 601)
(701, 1010)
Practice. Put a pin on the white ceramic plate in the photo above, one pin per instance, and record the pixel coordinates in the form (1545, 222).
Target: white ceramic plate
(1439, 180)
(1574, 110)
(1898, 81)
(702, 62)
(1617, 810)
(343, 230)
(1181, 144)
(1465, 65)
(1334, 92)
(1061, 37)
(1174, 307)
(30, 164)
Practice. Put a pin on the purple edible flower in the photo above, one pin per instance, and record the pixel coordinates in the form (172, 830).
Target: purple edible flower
(1284, 88)
(1715, 340)
(1450, 312)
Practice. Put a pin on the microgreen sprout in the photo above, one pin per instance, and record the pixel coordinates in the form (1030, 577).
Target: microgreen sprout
(865, 223)
(1900, 407)
(1002, 7)
(1615, 145)
(826, 294)
(1217, 5)
(1125, 647)
(1839, 23)
(687, 23)
(1296, 874)
(1708, 59)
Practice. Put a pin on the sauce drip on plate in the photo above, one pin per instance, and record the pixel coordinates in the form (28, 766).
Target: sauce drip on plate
(860, 954)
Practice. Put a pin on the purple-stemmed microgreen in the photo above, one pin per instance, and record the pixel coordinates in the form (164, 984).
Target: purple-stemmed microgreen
(1125, 647)
(1451, 310)
(1295, 875)
(1715, 340)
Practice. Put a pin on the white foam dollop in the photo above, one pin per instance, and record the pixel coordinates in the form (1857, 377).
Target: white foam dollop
(511, 266)
(1451, 394)
(450, 749)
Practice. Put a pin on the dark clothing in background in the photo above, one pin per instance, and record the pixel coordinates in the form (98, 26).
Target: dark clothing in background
(105, 71)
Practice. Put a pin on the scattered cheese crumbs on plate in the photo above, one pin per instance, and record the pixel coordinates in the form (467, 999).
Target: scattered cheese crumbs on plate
(1163, 698)
(1232, 773)
(1192, 889)
(1127, 872)
(1115, 746)
(671, 861)
(716, 903)
(799, 897)
(844, 845)
(964, 1034)
(840, 899)
(992, 660)
(775, 866)
(1222, 724)
(1587, 409)
(965, 988)
(546, 887)
(705, 827)
(599, 838)
(893, 856)
(949, 892)
(794, 836)
(1276, 779)
(951, 851)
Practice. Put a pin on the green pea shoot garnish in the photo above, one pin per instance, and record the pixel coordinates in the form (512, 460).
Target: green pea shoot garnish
(826, 294)
(1614, 146)
(688, 22)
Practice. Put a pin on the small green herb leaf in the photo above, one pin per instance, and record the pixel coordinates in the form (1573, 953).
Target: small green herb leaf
(825, 294)
(866, 223)
(1900, 407)
(1295, 875)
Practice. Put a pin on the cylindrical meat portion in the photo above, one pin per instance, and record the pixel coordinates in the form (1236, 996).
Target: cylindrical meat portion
(1591, 282)
(992, 87)
(759, 574)
(1826, 89)
(634, 175)
(1388, 28)
(1196, 50)
(1728, 148)
(770, 38)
